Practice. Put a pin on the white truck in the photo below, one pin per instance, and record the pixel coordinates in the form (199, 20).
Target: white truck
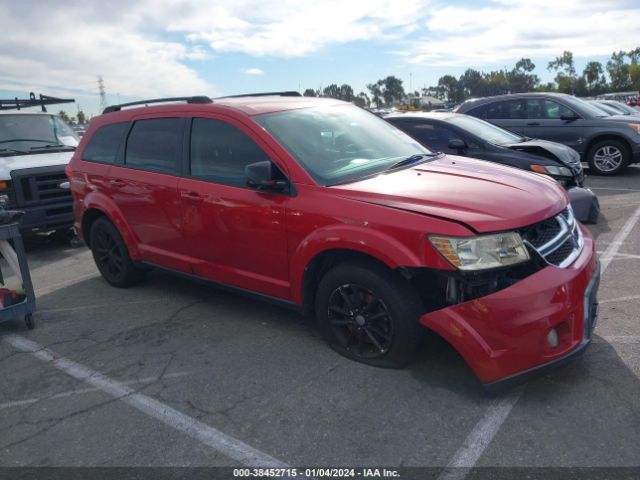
(35, 147)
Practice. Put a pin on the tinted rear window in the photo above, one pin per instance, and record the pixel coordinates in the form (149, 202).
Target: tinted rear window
(104, 144)
(154, 145)
(506, 110)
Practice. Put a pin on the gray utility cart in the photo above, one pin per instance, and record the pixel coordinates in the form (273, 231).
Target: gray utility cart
(27, 306)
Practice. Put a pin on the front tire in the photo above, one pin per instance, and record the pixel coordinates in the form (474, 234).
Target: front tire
(111, 255)
(369, 314)
(608, 157)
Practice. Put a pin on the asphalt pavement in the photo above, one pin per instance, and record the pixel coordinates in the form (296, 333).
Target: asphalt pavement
(172, 373)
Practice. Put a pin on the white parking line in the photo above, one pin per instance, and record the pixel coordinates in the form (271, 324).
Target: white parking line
(480, 437)
(197, 430)
(618, 240)
(488, 426)
(620, 299)
(80, 391)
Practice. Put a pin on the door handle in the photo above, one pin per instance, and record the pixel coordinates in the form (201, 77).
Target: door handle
(117, 183)
(533, 124)
(192, 196)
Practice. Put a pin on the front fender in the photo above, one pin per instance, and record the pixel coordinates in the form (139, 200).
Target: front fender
(99, 201)
(373, 243)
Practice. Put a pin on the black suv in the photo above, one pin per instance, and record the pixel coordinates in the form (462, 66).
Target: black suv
(607, 143)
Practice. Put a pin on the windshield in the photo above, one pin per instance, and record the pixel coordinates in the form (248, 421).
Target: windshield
(584, 107)
(485, 130)
(604, 108)
(340, 143)
(28, 132)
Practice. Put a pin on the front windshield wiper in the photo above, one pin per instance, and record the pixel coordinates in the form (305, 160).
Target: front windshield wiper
(412, 159)
(25, 140)
(12, 150)
(52, 145)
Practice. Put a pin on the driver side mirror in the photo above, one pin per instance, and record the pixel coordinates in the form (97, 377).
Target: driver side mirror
(457, 144)
(261, 176)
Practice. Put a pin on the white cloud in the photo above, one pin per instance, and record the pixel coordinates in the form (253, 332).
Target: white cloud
(511, 29)
(253, 71)
(294, 28)
(57, 49)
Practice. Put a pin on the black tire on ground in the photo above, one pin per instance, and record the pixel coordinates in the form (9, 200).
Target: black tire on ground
(111, 255)
(608, 157)
(369, 314)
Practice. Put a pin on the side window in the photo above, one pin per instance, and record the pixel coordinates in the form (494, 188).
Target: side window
(433, 135)
(512, 109)
(220, 152)
(104, 144)
(154, 145)
(556, 110)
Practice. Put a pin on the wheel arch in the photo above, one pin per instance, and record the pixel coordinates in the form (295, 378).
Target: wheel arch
(607, 136)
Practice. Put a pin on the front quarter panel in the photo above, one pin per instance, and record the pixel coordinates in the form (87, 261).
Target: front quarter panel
(319, 220)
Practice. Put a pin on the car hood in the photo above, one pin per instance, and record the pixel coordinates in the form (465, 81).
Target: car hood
(17, 162)
(623, 118)
(556, 151)
(484, 196)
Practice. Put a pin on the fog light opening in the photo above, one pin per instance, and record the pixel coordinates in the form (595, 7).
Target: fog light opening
(552, 338)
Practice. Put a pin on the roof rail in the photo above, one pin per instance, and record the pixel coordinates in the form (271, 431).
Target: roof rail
(289, 93)
(195, 99)
(32, 101)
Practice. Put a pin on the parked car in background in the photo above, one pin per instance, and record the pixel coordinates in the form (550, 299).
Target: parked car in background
(465, 135)
(622, 108)
(608, 110)
(322, 206)
(607, 143)
(35, 146)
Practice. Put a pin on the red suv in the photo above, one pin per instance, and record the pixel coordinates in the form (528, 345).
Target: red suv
(325, 207)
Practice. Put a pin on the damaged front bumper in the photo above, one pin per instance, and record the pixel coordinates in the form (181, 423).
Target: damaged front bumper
(504, 336)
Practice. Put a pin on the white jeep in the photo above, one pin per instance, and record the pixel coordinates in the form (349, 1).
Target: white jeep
(35, 146)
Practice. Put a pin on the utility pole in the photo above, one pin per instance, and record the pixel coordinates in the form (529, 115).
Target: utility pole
(103, 94)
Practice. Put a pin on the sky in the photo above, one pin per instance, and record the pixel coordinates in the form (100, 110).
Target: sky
(157, 48)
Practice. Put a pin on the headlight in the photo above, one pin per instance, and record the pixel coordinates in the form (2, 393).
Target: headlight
(551, 170)
(482, 252)
(5, 188)
(635, 127)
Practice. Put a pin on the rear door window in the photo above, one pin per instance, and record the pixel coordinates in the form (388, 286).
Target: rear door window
(220, 152)
(511, 109)
(105, 143)
(154, 145)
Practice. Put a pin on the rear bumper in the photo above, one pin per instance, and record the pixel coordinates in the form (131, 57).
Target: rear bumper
(503, 336)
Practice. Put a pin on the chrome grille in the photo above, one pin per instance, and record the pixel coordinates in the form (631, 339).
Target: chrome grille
(557, 239)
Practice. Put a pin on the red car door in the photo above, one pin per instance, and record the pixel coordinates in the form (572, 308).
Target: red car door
(144, 188)
(236, 235)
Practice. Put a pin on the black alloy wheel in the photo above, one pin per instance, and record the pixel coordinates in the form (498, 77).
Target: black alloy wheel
(360, 321)
(111, 255)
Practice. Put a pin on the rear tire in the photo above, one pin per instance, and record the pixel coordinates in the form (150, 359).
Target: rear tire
(369, 314)
(111, 255)
(608, 157)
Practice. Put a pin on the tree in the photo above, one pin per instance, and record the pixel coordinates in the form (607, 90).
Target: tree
(634, 55)
(618, 72)
(309, 92)
(471, 83)
(346, 93)
(63, 115)
(376, 93)
(392, 89)
(521, 79)
(592, 72)
(449, 85)
(566, 69)
(362, 100)
(82, 119)
(332, 91)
